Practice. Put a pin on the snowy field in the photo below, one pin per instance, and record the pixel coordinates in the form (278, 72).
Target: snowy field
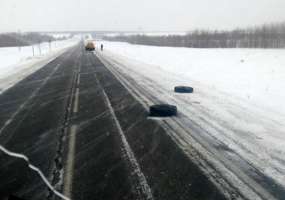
(145, 33)
(60, 35)
(254, 75)
(238, 100)
(16, 64)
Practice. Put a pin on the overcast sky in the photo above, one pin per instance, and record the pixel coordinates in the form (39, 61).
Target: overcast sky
(134, 15)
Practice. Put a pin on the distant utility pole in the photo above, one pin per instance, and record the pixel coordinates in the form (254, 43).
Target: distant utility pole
(49, 44)
(40, 50)
(33, 50)
(18, 41)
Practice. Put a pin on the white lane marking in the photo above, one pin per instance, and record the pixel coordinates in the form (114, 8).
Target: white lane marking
(23, 105)
(128, 151)
(76, 101)
(34, 168)
(68, 174)
(130, 87)
(7, 122)
(78, 80)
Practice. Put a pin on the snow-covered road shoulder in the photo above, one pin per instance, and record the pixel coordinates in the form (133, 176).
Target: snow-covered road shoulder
(15, 64)
(236, 112)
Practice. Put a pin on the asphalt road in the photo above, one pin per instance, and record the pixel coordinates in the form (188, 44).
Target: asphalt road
(91, 138)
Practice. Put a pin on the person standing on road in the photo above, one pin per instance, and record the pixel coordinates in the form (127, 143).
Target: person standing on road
(102, 47)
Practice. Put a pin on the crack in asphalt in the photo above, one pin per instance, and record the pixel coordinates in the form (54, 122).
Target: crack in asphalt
(59, 172)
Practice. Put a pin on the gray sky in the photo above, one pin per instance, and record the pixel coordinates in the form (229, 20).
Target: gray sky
(145, 15)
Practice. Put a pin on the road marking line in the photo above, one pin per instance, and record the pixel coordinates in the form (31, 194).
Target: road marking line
(68, 174)
(76, 101)
(8, 122)
(143, 190)
(78, 80)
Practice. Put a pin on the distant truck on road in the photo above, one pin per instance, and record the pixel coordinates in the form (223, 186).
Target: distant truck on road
(90, 46)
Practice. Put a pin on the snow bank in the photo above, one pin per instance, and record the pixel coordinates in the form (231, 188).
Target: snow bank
(256, 75)
(238, 99)
(16, 64)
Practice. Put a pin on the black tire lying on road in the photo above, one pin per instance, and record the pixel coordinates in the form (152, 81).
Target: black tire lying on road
(162, 110)
(183, 89)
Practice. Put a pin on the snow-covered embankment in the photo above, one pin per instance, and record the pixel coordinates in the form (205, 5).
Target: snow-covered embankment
(238, 101)
(16, 64)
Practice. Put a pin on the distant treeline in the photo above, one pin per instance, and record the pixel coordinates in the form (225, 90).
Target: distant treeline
(266, 36)
(24, 39)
